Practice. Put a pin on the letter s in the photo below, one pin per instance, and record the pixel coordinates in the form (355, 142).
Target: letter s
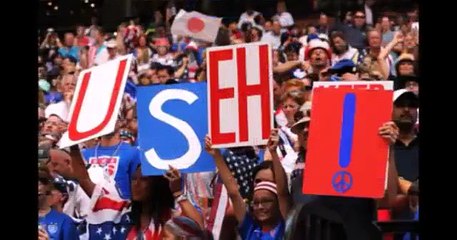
(194, 151)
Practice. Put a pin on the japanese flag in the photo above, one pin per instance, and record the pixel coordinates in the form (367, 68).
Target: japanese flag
(196, 25)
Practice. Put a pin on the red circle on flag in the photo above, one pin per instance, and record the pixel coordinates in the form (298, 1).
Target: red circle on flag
(195, 25)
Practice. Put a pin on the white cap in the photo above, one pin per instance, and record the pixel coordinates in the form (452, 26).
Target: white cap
(111, 43)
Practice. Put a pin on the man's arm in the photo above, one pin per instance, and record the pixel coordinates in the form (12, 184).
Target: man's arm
(389, 131)
(79, 171)
(282, 68)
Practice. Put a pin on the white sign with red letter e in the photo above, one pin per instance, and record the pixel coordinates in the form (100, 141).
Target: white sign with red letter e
(96, 102)
(240, 98)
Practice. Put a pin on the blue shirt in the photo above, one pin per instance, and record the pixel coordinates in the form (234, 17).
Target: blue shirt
(119, 163)
(53, 97)
(73, 51)
(249, 230)
(58, 226)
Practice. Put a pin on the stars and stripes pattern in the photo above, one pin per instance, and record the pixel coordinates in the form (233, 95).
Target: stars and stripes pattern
(242, 164)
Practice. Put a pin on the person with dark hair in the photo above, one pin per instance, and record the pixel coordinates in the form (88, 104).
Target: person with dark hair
(255, 34)
(165, 73)
(291, 50)
(323, 26)
(341, 48)
(52, 224)
(405, 115)
(355, 32)
(163, 56)
(223, 37)
(264, 218)
(113, 160)
(69, 49)
(144, 216)
(354, 215)
(97, 54)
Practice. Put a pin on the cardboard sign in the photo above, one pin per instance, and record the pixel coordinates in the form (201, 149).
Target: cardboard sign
(240, 98)
(96, 101)
(373, 85)
(172, 127)
(346, 156)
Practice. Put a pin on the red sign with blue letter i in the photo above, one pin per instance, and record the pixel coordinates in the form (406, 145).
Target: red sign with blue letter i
(345, 154)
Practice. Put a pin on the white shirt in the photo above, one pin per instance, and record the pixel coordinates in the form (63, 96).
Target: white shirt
(78, 203)
(165, 60)
(285, 19)
(274, 41)
(101, 57)
(349, 54)
(247, 18)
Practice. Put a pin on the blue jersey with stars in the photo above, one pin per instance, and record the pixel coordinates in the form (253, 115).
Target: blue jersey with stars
(58, 225)
(118, 162)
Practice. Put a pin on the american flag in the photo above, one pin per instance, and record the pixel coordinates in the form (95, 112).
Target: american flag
(109, 218)
(241, 162)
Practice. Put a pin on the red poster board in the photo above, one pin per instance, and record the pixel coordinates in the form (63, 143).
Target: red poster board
(345, 154)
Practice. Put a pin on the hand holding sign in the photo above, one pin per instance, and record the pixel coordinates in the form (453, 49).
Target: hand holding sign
(174, 177)
(96, 101)
(170, 115)
(209, 147)
(273, 140)
(389, 131)
(353, 161)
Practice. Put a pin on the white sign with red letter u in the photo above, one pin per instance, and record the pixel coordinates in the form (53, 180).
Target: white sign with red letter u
(96, 101)
(240, 98)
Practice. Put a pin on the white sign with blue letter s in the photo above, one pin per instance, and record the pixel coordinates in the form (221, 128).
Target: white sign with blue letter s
(172, 124)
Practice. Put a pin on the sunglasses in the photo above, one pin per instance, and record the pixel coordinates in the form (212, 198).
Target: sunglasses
(359, 16)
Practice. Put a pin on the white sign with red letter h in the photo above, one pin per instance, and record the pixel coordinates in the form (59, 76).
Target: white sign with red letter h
(240, 97)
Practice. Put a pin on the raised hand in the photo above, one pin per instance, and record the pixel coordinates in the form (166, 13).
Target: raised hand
(174, 177)
(209, 147)
(273, 140)
(399, 37)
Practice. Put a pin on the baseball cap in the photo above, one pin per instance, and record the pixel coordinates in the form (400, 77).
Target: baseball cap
(343, 66)
(403, 97)
(111, 43)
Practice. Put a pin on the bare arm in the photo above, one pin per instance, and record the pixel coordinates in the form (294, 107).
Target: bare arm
(120, 43)
(59, 44)
(286, 66)
(188, 209)
(45, 41)
(389, 131)
(239, 206)
(79, 171)
(280, 175)
(398, 37)
(180, 72)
